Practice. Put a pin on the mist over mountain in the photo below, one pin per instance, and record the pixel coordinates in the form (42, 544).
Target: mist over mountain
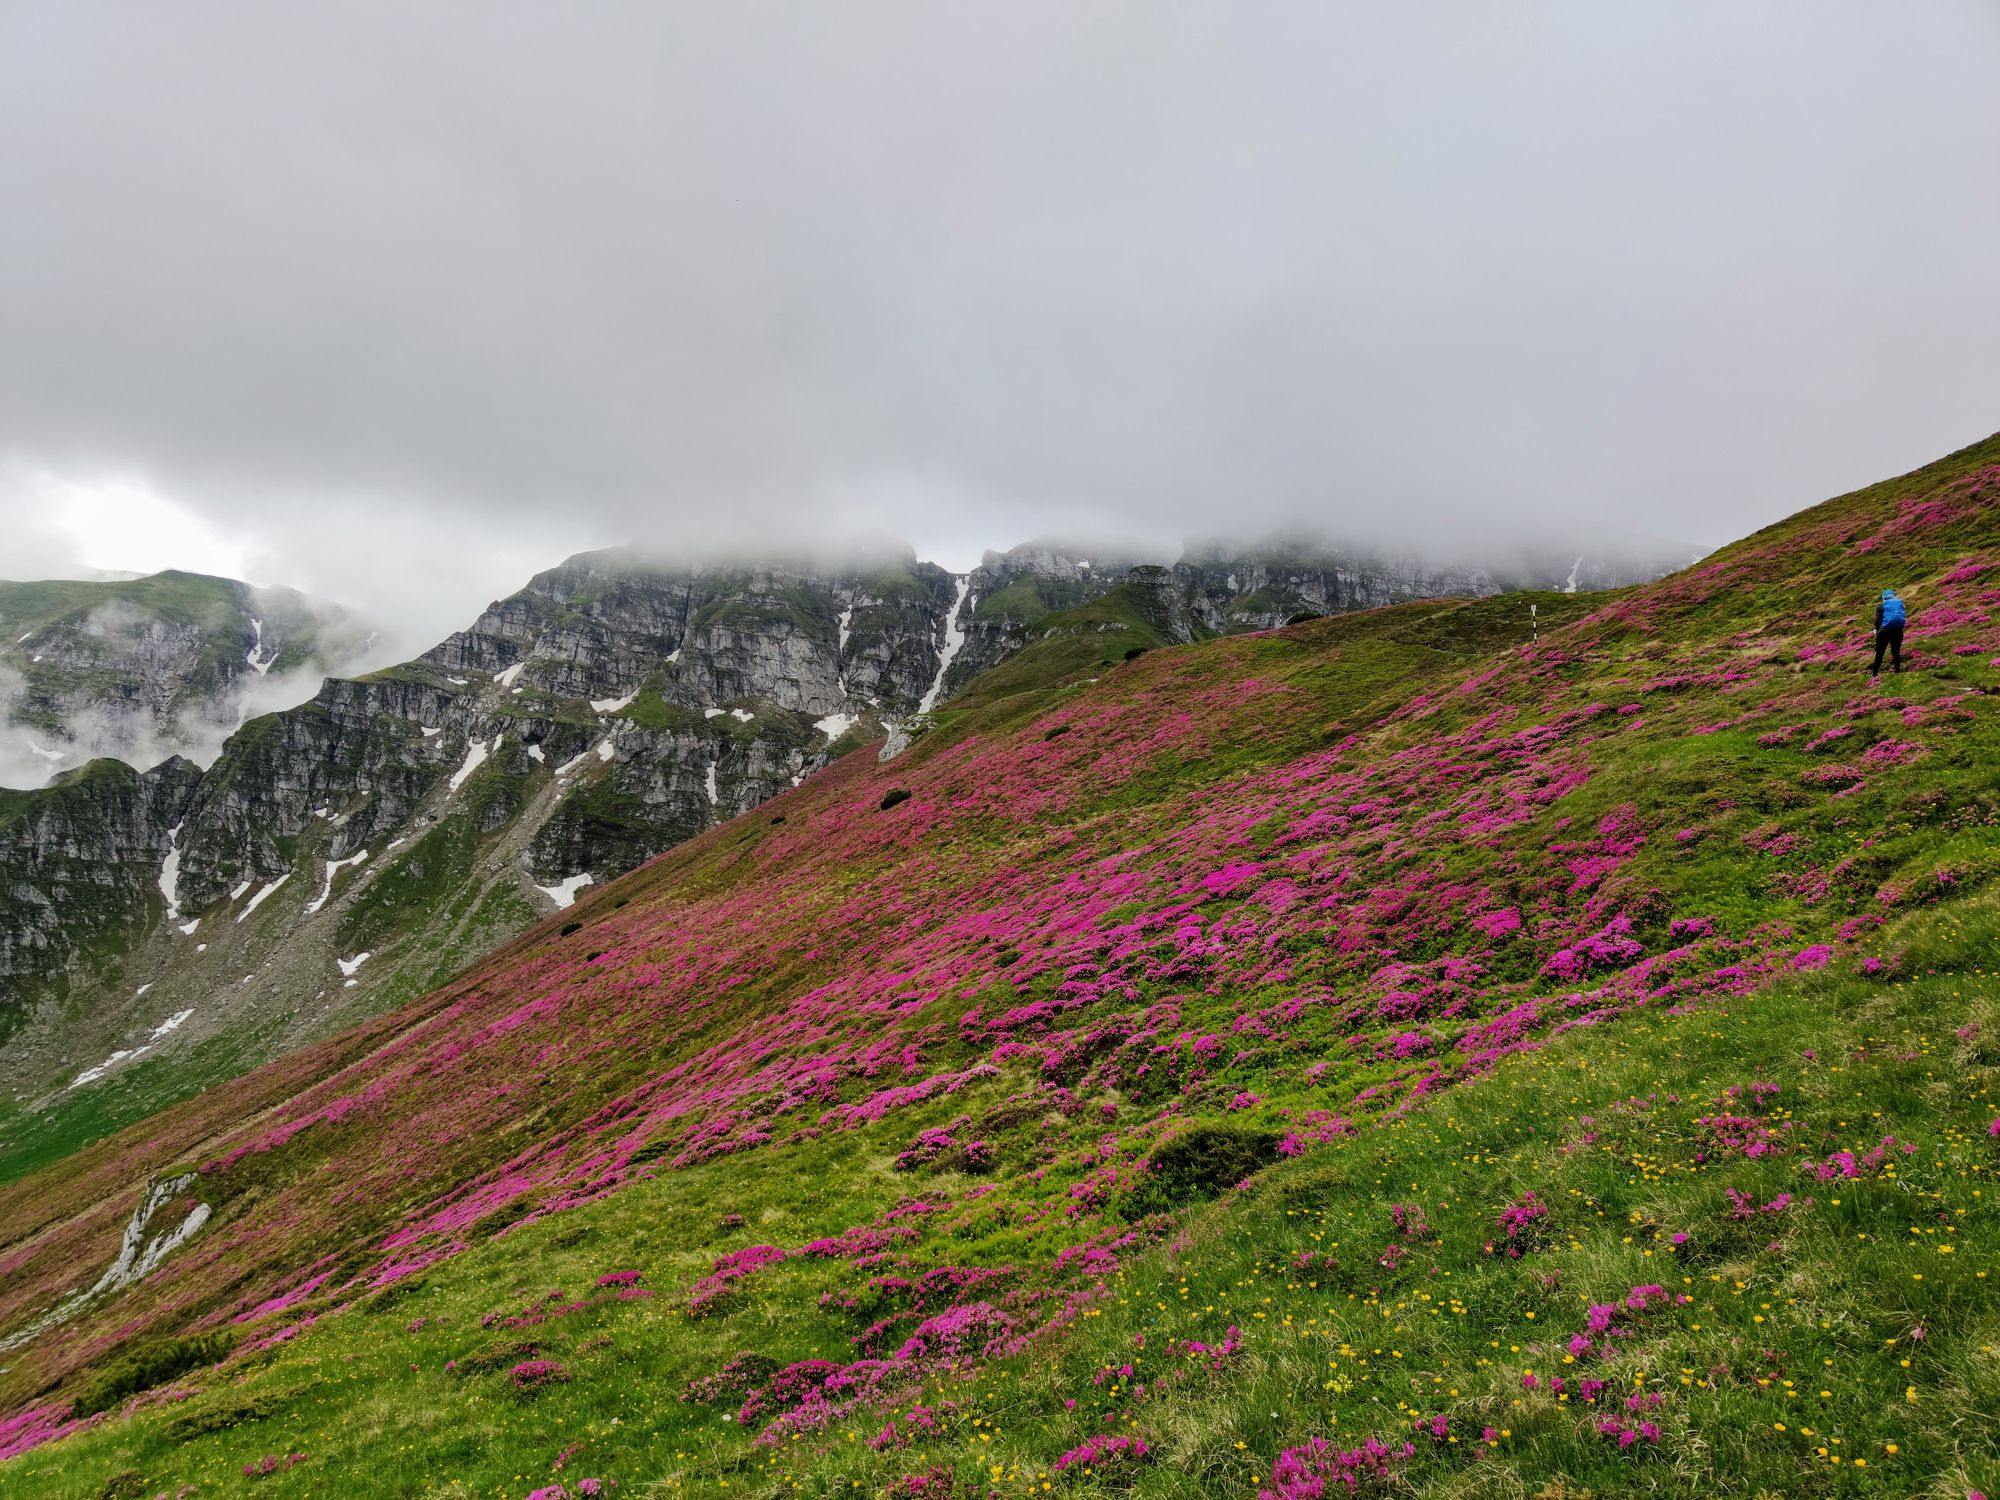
(141, 669)
(1562, 275)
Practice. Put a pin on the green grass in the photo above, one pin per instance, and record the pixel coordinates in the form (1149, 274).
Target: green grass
(1864, 1319)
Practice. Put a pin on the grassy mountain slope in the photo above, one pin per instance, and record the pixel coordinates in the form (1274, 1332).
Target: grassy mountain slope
(1213, 1064)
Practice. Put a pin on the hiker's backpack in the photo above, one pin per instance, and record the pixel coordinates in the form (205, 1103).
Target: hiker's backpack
(1892, 611)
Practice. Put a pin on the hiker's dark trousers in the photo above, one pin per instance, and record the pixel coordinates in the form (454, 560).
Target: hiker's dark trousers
(1889, 638)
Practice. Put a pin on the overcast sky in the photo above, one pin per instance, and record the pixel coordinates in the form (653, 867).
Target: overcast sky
(400, 303)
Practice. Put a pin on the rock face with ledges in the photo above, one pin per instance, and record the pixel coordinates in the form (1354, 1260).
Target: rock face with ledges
(82, 861)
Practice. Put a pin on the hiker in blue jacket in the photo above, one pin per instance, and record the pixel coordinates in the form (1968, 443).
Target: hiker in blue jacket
(1889, 620)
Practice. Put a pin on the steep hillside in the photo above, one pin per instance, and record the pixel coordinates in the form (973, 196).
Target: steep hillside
(353, 851)
(1384, 1053)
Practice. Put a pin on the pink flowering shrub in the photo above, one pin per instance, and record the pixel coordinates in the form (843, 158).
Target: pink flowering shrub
(941, 1148)
(532, 1373)
(1320, 1469)
(713, 1291)
(1095, 1452)
(1607, 1321)
(930, 1484)
(1845, 1164)
(1520, 1226)
(270, 1464)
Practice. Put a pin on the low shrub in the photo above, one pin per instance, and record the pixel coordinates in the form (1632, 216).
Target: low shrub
(219, 1414)
(1199, 1163)
(146, 1365)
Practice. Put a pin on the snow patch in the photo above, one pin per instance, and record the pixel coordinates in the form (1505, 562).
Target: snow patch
(460, 681)
(91, 1075)
(954, 641)
(833, 726)
(475, 756)
(431, 734)
(257, 665)
(50, 755)
(1569, 583)
(140, 992)
(563, 892)
(604, 749)
(535, 753)
(333, 868)
(262, 896)
(612, 705)
(173, 1022)
(170, 873)
(714, 796)
(349, 967)
(845, 622)
(711, 713)
(238, 892)
(511, 675)
(741, 715)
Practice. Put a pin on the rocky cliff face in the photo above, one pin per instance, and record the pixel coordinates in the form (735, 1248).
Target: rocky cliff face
(84, 860)
(141, 668)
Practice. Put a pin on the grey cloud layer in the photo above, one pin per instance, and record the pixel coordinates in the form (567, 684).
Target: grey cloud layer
(376, 283)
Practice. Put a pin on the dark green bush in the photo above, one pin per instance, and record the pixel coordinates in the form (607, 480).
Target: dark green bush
(1199, 1163)
(218, 1414)
(147, 1364)
(501, 1354)
(900, 794)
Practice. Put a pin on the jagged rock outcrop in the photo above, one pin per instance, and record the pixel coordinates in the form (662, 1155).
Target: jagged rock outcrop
(663, 786)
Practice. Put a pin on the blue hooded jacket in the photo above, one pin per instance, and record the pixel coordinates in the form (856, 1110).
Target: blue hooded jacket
(1890, 612)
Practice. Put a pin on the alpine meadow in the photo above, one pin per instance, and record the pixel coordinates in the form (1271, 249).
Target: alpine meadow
(1425, 1050)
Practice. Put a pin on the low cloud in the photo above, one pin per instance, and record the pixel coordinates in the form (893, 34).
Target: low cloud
(403, 304)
